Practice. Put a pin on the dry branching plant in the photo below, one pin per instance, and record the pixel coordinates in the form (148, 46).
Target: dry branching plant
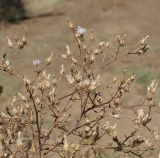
(87, 120)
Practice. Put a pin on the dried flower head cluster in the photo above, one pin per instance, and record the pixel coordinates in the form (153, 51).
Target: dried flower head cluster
(96, 126)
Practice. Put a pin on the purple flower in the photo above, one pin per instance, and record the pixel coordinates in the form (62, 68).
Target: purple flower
(80, 30)
(36, 62)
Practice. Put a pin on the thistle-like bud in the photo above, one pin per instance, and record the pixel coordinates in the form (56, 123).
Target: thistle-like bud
(49, 59)
(142, 42)
(65, 144)
(10, 43)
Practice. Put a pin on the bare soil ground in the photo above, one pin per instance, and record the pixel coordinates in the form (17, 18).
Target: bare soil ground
(107, 18)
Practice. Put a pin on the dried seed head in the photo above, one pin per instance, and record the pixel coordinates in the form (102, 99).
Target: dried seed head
(107, 45)
(61, 71)
(142, 117)
(70, 79)
(65, 144)
(114, 80)
(26, 80)
(49, 59)
(151, 89)
(121, 40)
(19, 140)
(68, 51)
(73, 60)
(64, 56)
(92, 37)
(101, 44)
(10, 43)
(70, 24)
(147, 143)
(94, 83)
(142, 42)
(109, 128)
(22, 96)
(24, 39)
(156, 135)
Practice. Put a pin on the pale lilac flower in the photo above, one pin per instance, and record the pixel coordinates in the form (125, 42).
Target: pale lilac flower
(36, 62)
(80, 30)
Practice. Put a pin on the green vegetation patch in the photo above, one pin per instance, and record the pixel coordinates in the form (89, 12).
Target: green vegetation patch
(144, 74)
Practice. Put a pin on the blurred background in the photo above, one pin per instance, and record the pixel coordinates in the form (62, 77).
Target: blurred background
(45, 24)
